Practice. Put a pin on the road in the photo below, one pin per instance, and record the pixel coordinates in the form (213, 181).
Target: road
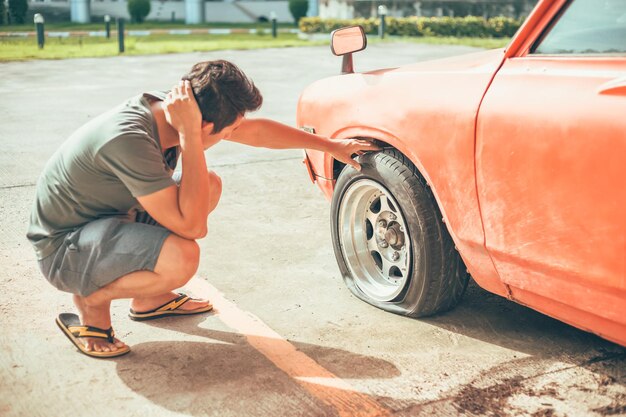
(287, 338)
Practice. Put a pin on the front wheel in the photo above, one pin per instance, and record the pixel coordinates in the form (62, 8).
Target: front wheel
(392, 248)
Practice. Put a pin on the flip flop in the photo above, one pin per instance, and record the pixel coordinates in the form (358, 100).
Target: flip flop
(74, 330)
(171, 308)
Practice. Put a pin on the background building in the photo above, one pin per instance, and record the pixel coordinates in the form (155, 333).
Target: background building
(247, 11)
(192, 11)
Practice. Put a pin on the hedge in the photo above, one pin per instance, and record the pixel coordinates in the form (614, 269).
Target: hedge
(468, 26)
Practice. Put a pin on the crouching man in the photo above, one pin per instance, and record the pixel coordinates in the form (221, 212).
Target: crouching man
(110, 219)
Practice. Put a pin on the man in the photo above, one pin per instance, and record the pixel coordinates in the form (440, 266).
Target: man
(89, 225)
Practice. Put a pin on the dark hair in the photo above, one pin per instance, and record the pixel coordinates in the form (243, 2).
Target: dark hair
(223, 92)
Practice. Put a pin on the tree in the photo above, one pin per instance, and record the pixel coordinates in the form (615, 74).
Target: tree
(298, 9)
(17, 11)
(138, 10)
(3, 12)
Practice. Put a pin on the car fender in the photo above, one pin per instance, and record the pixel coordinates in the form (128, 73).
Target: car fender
(428, 112)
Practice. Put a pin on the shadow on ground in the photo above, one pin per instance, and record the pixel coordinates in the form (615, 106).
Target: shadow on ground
(226, 373)
(490, 318)
(495, 320)
(192, 377)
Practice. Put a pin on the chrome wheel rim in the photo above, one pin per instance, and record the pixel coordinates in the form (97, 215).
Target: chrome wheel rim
(374, 240)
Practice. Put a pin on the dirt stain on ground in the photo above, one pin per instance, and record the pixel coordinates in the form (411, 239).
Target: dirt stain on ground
(616, 407)
(491, 400)
(547, 412)
(494, 400)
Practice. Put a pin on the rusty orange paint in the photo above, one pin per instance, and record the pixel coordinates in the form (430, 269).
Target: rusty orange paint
(525, 156)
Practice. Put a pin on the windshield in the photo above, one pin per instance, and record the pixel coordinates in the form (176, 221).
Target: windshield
(587, 27)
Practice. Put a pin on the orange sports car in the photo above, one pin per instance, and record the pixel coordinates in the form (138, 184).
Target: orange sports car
(509, 165)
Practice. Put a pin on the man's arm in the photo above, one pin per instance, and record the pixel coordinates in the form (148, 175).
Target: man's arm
(274, 135)
(184, 209)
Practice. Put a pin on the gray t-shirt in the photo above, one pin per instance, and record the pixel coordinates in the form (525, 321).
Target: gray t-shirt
(98, 172)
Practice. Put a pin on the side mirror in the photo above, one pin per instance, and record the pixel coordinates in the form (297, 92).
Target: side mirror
(344, 42)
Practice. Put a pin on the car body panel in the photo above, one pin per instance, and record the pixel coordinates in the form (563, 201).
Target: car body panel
(551, 180)
(465, 122)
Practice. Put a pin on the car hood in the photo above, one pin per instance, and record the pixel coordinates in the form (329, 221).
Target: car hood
(479, 61)
(398, 100)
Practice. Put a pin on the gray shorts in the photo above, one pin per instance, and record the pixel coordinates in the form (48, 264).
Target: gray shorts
(102, 251)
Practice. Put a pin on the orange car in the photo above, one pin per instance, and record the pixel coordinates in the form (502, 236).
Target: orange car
(509, 165)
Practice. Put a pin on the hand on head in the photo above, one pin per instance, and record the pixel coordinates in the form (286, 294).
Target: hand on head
(182, 111)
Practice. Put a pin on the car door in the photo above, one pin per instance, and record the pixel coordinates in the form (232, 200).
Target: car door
(551, 165)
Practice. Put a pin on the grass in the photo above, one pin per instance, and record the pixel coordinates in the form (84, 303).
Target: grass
(70, 27)
(20, 49)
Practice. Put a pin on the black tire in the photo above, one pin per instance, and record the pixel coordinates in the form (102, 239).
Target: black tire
(437, 278)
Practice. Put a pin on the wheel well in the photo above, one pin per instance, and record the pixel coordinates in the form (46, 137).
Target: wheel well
(338, 166)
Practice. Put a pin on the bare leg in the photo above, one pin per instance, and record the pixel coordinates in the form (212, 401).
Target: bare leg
(215, 187)
(97, 316)
(176, 264)
(146, 302)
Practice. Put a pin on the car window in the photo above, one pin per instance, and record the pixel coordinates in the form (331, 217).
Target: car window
(587, 27)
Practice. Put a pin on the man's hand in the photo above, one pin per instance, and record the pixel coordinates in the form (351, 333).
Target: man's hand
(182, 112)
(344, 149)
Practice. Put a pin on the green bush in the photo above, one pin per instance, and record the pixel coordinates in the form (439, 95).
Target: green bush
(504, 26)
(138, 10)
(298, 9)
(17, 11)
(319, 25)
(468, 26)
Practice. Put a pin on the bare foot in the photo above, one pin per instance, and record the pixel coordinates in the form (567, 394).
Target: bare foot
(96, 316)
(150, 303)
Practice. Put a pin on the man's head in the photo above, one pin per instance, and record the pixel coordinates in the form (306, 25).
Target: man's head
(223, 92)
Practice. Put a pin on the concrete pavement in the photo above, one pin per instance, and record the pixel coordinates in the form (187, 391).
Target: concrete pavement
(287, 338)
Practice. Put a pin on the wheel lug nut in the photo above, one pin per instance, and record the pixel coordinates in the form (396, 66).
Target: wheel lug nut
(384, 244)
(392, 216)
(395, 256)
(382, 223)
(401, 228)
